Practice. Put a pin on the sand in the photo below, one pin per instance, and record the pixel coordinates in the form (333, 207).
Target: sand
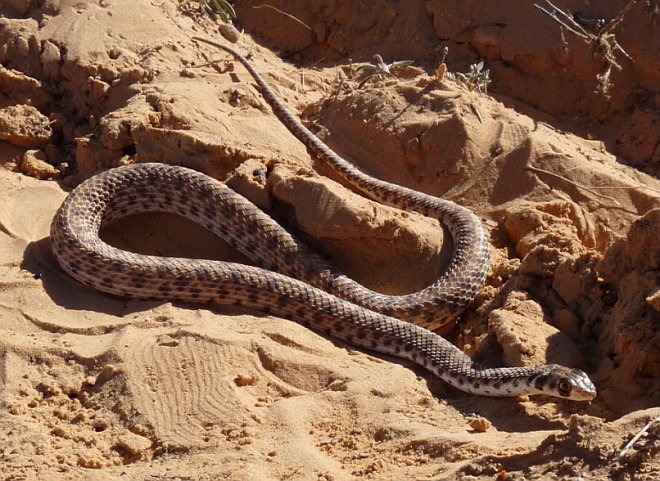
(559, 158)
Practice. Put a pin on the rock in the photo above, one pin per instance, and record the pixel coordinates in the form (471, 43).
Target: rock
(134, 443)
(24, 126)
(527, 340)
(35, 165)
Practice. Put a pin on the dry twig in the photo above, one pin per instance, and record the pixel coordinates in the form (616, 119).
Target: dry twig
(604, 41)
(572, 182)
(638, 435)
(285, 14)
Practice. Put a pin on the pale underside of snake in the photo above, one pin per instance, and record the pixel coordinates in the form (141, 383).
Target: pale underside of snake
(293, 281)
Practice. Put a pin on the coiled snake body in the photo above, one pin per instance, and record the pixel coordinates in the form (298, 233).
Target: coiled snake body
(364, 319)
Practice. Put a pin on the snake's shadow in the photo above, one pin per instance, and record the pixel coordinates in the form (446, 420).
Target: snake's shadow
(66, 292)
(145, 234)
(505, 414)
(141, 233)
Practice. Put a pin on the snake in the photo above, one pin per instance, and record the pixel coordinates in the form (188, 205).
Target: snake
(289, 279)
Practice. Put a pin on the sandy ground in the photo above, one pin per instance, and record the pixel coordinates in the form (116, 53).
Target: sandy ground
(560, 159)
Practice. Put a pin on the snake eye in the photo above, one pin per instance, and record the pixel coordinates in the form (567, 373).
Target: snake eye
(564, 387)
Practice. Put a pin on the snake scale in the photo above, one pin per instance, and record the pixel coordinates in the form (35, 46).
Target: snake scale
(293, 282)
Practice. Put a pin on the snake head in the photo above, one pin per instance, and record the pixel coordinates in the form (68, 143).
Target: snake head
(566, 383)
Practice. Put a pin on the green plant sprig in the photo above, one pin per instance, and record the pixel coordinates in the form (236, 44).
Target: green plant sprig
(220, 7)
(476, 79)
(380, 69)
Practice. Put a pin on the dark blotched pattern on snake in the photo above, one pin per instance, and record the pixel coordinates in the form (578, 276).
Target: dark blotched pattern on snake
(293, 281)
